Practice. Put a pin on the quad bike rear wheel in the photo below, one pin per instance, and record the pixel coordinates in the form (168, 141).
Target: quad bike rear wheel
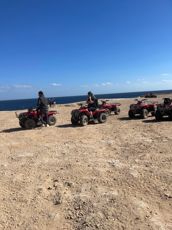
(29, 124)
(131, 114)
(144, 113)
(84, 120)
(52, 120)
(102, 118)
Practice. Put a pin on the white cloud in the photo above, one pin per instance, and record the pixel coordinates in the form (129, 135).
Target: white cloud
(106, 84)
(167, 81)
(97, 85)
(4, 88)
(142, 81)
(85, 86)
(165, 74)
(24, 86)
(56, 84)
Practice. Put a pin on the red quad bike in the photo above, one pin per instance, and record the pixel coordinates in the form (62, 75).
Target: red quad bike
(142, 109)
(82, 116)
(110, 107)
(164, 110)
(31, 119)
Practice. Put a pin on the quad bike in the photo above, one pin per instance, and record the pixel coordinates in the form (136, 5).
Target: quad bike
(164, 110)
(110, 107)
(150, 95)
(142, 109)
(83, 116)
(31, 119)
(51, 103)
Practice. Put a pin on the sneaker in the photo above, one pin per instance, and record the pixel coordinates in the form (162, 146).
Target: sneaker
(47, 125)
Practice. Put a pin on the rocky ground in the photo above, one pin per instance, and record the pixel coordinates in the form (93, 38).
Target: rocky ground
(111, 176)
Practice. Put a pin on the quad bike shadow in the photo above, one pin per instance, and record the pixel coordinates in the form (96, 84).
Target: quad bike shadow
(12, 130)
(67, 126)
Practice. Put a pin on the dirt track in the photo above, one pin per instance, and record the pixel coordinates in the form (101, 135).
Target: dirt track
(111, 176)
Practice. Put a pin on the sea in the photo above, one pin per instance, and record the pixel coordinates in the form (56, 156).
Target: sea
(12, 105)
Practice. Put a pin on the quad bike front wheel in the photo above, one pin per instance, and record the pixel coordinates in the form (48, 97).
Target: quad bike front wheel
(170, 115)
(73, 121)
(84, 120)
(29, 124)
(22, 124)
(102, 118)
(131, 114)
(52, 120)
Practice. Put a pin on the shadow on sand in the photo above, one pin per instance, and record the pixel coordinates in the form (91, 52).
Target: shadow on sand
(155, 121)
(149, 121)
(68, 126)
(125, 119)
(12, 130)
(76, 126)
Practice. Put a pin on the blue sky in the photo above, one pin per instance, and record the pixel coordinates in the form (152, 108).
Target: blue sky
(68, 47)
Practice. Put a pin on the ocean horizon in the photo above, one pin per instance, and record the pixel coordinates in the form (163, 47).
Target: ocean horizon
(21, 104)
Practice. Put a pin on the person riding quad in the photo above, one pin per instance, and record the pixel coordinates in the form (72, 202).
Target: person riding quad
(42, 106)
(92, 102)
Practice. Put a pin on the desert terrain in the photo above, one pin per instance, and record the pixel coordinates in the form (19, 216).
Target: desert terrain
(111, 176)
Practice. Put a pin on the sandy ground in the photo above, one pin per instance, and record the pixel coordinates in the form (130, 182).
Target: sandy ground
(111, 176)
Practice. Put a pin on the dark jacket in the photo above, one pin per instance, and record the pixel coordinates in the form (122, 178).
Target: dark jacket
(93, 102)
(42, 104)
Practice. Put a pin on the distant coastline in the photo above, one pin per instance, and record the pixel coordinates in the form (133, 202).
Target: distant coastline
(19, 104)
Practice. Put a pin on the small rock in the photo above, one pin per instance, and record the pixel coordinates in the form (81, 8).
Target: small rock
(68, 184)
(168, 195)
(57, 199)
(56, 184)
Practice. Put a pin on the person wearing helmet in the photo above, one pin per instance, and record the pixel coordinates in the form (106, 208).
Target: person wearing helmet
(42, 106)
